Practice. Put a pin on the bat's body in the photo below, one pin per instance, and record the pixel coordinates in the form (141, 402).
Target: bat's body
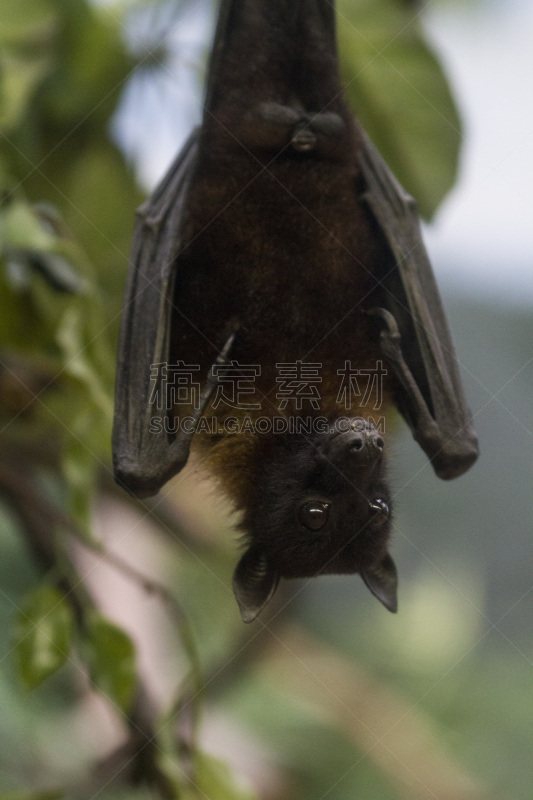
(300, 248)
(280, 236)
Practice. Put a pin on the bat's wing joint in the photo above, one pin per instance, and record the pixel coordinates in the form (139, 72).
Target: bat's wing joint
(451, 452)
(143, 468)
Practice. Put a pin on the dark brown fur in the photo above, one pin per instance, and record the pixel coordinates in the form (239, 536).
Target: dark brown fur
(302, 254)
(280, 236)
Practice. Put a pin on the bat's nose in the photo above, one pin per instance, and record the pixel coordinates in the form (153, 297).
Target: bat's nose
(362, 444)
(365, 446)
(368, 442)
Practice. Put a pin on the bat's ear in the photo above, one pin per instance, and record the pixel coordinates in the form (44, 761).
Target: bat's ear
(254, 583)
(382, 580)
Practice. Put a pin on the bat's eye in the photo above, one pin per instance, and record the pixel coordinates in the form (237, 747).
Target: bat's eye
(379, 512)
(314, 515)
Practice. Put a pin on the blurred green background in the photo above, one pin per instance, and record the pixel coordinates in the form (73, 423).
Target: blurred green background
(112, 688)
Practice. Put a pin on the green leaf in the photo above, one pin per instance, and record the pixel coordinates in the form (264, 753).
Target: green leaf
(88, 419)
(26, 21)
(19, 77)
(400, 94)
(79, 468)
(43, 635)
(35, 234)
(212, 779)
(21, 229)
(94, 64)
(48, 279)
(110, 657)
(32, 796)
(28, 28)
(71, 335)
(58, 272)
(215, 780)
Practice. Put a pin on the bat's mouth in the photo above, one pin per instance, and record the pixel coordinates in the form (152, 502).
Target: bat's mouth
(303, 140)
(357, 555)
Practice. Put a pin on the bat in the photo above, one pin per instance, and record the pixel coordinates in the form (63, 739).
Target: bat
(279, 265)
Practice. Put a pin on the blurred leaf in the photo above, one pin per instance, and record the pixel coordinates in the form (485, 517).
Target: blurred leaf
(57, 261)
(49, 281)
(28, 26)
(88, 422)
(85, 87)
(211, 779)
(33, 238)
(111, 659)
(43, 635)
(57, 272)
(401, 96)
(103, 197)
(71, 337)
(214, 779)
(32, 796)
(20, 229)
(19, 77)
(80, 471)
(26, 21)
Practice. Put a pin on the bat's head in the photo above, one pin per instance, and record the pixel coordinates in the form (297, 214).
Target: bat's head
(322, 506)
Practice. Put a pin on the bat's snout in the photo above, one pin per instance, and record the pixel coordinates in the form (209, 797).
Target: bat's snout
(361, 446)
(368, 444)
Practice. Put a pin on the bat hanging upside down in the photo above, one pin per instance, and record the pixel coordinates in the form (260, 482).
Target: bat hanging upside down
(279, 307)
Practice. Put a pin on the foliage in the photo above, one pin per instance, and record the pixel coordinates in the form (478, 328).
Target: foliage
(401, 95)
(43, 635)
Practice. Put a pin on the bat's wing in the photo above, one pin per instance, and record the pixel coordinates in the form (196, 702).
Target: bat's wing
(415, 338)
(143, 460)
